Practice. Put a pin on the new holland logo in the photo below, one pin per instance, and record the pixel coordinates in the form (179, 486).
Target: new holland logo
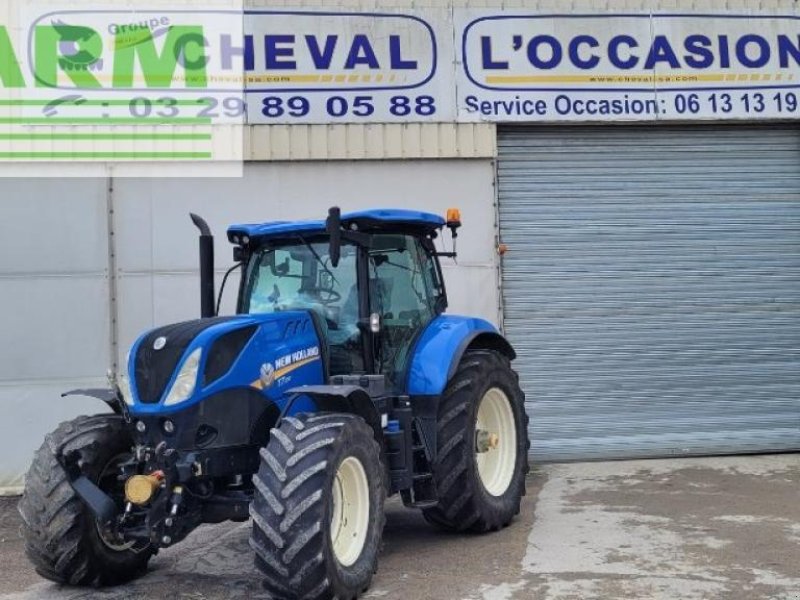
(270, 373)
(267, 377)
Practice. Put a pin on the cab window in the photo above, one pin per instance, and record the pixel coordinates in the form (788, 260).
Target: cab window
(299, 276)
(404, 290)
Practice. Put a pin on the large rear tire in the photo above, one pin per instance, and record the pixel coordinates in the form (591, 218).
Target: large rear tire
(318, 508)
(480, 478)
(62, 538)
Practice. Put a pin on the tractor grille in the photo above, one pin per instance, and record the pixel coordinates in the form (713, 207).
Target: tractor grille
(154, 368)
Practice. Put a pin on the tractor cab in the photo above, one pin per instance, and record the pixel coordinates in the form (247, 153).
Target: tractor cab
(371, 292)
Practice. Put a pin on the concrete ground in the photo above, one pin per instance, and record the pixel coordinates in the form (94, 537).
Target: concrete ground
(674, 529)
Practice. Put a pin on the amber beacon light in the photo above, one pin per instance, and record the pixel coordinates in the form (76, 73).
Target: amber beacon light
(453, 219)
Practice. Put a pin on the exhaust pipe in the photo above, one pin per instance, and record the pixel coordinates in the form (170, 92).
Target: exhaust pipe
(207, 293)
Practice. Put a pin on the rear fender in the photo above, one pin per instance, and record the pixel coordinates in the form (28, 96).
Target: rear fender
(441, 346)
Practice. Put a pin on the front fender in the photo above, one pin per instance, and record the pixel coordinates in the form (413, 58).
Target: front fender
(107, 395)
(441, 346)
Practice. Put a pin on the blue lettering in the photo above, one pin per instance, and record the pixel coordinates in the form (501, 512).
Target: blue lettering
(574, 52)
(661, 51)
(361, 53)
(613, 51)
(555, 50)
(786, 48)
(724, 53)
(274, 52)
(322, 58)
(763, 47)
(515, 106)
(699, 57)
(395, 54)
(486, 54)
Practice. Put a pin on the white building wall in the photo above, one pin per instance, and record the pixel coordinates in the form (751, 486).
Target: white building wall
(54, 318)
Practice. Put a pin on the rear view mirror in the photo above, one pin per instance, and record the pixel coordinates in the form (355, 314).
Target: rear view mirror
(333, 226)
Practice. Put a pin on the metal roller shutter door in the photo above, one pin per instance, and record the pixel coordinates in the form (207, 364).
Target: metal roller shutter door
(652, 287)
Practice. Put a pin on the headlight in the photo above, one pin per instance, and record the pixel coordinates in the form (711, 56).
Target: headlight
(124, 383)
(183, 388)
(125, 387)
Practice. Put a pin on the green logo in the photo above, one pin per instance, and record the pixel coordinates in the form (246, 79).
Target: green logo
(77, 50)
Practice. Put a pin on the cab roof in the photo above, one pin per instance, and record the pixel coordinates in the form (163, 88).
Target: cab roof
(388, 219)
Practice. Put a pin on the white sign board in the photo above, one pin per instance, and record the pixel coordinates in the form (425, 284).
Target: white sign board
(323, 65)
(334, 67)
(519, 67)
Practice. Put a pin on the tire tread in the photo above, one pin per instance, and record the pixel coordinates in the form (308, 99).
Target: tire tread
(55, 518)
(460, 506)
(288, 538)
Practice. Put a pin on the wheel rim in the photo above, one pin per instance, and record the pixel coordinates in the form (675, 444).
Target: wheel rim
(350, 518)
(496, 464)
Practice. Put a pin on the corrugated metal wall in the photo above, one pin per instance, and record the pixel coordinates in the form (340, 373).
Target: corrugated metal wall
(542, 6)
(378, 141)
(652, 288)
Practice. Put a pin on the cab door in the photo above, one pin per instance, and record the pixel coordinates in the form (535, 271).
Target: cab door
(405, 292)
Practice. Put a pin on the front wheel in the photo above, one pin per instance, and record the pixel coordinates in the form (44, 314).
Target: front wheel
(62, 538)
(482, 439)
(318, 508)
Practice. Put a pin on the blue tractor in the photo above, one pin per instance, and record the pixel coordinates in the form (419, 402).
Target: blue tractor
(340, 380)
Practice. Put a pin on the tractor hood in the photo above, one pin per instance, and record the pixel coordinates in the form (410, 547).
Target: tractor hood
(176, 366)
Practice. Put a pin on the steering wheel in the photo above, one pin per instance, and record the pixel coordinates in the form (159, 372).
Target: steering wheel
(324, 295)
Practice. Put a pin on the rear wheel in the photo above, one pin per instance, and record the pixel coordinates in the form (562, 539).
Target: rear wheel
(318, 508)
(62, 538)
(482, 437)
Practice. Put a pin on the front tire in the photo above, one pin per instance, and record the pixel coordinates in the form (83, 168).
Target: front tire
(480, 490)
(62, 538)
(318, 508)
